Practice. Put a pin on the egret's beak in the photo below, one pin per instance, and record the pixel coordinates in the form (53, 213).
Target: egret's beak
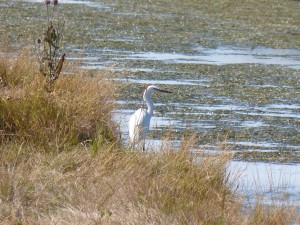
(162, 90)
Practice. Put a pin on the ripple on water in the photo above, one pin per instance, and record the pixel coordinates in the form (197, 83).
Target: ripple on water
(79, 2)
(271, 110)
(251, 123)
(226, 55)
(222, 55)
(164, 82)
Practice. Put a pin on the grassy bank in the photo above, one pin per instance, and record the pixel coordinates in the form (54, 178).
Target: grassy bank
(78, 110)
(61, 162)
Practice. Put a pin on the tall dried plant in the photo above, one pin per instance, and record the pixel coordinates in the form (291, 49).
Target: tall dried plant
(48, 48)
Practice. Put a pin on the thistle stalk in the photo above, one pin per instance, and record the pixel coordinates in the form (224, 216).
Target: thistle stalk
(48, 49)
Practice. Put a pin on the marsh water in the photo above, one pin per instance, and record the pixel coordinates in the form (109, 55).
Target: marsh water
(240, 98)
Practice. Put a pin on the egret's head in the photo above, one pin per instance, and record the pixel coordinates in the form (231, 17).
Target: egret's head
(152, 88)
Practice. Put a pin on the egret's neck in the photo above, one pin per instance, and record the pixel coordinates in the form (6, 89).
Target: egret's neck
(149, 103)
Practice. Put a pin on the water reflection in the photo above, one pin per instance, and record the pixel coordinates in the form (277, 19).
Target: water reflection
(277, 183)
(165, 82)
(223, 55)
(227, 55)
(79, 2)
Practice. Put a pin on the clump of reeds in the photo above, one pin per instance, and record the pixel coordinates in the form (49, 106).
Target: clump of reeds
(115, 186)
(78, 110)
(262, 213)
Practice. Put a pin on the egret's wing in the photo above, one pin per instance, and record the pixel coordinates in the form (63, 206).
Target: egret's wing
(138, 126)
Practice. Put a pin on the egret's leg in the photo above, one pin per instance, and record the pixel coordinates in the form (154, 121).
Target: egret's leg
(143, 145)
(131, 146)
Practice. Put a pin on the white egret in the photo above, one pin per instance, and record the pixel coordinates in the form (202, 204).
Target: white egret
(139, 122)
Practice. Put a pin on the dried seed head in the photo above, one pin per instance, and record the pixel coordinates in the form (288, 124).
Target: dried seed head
(39, 41)
(54, 2)
(47, 2)
(46, 37)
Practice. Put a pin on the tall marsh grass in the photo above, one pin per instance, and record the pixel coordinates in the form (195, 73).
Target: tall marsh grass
(113, 186)
(78, 110)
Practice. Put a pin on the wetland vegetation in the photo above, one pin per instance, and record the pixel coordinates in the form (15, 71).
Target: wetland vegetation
(62, 162)
(233, 67)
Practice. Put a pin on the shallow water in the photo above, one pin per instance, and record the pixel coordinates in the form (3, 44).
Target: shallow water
(223, 55)
(228, 55)
(79, 2)
(276, 183)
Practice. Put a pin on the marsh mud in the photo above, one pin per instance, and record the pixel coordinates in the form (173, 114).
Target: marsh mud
(233, 67)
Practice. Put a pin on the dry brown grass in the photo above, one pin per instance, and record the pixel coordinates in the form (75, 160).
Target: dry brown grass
(276, 215)
(118, 186)
(78, 110)
(113, 186)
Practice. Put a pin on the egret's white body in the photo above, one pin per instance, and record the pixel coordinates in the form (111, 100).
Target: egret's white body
(139, 122)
